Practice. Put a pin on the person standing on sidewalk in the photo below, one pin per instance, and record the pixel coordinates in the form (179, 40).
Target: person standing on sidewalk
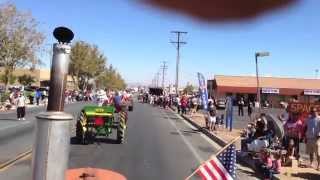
(313, 136)
(178, 104)
(212, 118)
(38, 96)
(240, 106)
(250, 109)
(21, 106)
(194, 105)
(184, 104)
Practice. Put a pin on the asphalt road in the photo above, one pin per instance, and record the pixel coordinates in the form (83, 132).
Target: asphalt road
(159, 145)
(18, 136)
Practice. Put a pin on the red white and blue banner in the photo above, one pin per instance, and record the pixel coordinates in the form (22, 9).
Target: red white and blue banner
(203, 91)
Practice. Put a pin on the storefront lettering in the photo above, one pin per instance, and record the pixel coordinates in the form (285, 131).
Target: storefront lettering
(303, 107)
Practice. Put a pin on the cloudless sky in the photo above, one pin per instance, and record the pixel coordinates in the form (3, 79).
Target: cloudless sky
(135, 38)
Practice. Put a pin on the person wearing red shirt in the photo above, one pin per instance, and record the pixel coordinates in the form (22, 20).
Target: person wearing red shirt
(184, 104)
(294, 129)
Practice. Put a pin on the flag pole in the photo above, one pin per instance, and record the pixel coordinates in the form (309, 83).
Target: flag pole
(226, 146)
(222, 149)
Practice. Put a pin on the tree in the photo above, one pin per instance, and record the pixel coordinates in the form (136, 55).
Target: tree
(11, 79)
(20, 40)
(26, 80)
(111, 79)
(188, 89)
(86, 63)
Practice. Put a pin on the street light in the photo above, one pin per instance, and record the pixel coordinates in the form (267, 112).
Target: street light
(259, 54)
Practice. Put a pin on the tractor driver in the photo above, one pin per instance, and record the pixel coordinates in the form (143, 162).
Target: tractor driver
(117, 101)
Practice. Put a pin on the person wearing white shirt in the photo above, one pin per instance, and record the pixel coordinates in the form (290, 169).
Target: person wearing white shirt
(178, 104)
(21, 107)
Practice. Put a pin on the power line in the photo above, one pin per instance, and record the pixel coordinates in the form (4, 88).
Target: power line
(178, 43)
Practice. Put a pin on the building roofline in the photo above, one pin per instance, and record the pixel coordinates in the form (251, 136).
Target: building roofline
(274, 77)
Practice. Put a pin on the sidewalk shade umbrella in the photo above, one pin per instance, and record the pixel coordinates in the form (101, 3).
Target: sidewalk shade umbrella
(276, 124)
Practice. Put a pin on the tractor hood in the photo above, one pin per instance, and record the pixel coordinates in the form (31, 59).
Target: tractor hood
(99, 110)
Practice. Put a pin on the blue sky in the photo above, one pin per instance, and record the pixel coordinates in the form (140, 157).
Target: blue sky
(135, 39)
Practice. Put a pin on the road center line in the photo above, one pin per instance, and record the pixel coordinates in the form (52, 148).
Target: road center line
(4, 166)
(191, 148)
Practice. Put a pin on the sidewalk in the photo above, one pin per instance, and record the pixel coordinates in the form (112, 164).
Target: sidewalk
(13, 108)
(221, 135)
(30, 106)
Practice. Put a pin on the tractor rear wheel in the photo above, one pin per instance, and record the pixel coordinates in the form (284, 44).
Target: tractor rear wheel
(120, 134)
(80, 134)
(121, 128)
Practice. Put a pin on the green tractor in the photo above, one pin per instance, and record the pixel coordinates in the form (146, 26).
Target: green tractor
(96, 121)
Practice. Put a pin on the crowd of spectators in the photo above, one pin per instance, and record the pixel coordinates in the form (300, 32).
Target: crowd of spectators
(275, 148)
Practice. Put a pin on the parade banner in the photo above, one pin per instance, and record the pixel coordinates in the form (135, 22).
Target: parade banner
(203, 91)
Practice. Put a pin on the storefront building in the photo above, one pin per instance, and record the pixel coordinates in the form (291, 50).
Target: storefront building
(41, 77)
(273, 89)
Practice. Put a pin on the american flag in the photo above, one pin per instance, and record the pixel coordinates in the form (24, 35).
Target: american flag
(221, 166)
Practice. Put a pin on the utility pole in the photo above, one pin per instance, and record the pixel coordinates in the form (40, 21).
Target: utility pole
(178, 44)
(157, 78)
(163, 67)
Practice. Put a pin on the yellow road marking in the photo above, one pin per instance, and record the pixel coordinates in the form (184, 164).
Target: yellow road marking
(14, 160)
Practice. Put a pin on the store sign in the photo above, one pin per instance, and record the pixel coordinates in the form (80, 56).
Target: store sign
(302, 109)
(312, 92)
(298, 107)
(270, 91)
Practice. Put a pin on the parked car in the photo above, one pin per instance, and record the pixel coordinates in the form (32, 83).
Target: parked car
(221, 104)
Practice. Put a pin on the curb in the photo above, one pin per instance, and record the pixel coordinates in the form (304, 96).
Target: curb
(213, 137)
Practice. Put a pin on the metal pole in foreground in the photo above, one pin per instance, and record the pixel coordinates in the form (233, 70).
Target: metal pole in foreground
(51, 148)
